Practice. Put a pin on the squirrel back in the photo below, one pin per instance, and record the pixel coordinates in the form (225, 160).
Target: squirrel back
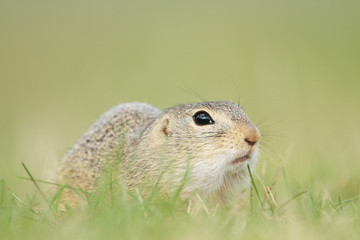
(83, 164)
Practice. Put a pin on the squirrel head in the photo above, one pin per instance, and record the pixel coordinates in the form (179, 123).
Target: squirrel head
(216, 139)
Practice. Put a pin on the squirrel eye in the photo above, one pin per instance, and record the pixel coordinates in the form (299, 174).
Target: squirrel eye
(203, 118)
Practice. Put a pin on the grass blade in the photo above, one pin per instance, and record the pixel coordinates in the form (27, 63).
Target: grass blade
(347, 200)
(254, 184)
(35, 183)
(294, 197)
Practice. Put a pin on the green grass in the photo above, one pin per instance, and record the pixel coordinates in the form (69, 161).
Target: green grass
(293, 64)
(114, 212)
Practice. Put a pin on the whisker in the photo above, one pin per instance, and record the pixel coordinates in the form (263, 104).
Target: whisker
(264, 146)
(190, 91)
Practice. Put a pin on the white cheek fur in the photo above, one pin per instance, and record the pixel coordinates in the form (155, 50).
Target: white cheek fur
(211, 175)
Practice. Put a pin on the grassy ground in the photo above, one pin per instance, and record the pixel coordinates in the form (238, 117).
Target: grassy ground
(294, 65)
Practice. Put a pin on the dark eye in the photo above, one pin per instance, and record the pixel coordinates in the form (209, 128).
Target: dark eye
(203, 118)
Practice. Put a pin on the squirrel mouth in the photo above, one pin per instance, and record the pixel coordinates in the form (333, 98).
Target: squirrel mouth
(240, 159)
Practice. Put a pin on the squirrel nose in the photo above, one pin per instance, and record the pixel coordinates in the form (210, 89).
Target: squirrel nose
(252, 135)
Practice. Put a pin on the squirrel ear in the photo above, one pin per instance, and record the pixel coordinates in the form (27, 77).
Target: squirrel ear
(164, 128)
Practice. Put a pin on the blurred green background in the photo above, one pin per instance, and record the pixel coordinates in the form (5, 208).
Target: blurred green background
(294, 64)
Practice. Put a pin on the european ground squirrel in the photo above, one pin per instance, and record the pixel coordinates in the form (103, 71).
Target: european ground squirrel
(213, 142)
